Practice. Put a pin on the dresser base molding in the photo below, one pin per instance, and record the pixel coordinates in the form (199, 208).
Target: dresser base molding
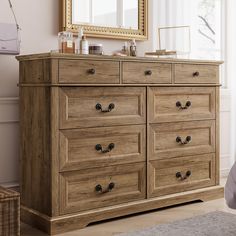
(61, 224)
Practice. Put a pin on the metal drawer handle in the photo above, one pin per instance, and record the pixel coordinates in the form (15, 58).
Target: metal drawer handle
(183, 177)
(187, 105)
(98, 188)
(109, 188)
(187, 140)
(109, 109)
(91, 71)
(196, 74)
(148, 72)
(99, 147)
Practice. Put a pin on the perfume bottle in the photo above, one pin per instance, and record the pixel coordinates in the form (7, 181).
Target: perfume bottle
(133, 48)
(84, 46)
(66, 42)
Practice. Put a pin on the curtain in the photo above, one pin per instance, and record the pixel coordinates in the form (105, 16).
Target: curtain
(204, 20)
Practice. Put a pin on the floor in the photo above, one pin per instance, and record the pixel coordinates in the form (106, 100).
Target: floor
(141, 221)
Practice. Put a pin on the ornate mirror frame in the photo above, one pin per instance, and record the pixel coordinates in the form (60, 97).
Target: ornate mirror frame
(106, 32)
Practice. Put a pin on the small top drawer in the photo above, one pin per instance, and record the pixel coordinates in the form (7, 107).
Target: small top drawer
(146, 73)
(196, 74)
(89, 71)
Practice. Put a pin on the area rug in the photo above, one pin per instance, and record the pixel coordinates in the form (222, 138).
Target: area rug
(212, 224)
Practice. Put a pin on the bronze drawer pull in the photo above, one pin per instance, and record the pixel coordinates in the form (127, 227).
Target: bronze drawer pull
(99, 147)
(196, 74)
(98, 188)
(91, 71)
(148, 72)
(187, 140)
(187, 105)
(109, 109)
(181, 177)
(110, 187)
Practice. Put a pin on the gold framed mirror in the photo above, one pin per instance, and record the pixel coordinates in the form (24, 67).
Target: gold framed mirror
(116, 19)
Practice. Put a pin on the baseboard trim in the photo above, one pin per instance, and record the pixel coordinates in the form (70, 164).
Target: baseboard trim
(10, 185)
(9, 107)
(9, 100)
(8, 121)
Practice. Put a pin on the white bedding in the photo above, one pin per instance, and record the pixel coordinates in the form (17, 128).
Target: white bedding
(230, 188)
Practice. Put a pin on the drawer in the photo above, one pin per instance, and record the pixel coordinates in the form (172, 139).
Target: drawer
(169, 140)
(196, 74)
(83, 148)
(101, 106)
(101, 187)
(177, 175)
(146, 73)
(181, 104)
(89, 72)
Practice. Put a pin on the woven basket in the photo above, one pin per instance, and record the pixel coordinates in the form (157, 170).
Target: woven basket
(9, 212)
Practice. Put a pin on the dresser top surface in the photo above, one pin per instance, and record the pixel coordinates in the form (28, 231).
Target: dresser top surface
(53, 55)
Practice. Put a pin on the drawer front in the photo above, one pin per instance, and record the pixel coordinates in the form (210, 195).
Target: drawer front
(146, 73)
(181, 174)
(89, 72)
(101, 187)
(181, 104)
(101, 106)
(196, 74)
(83, 148)
(169, 140)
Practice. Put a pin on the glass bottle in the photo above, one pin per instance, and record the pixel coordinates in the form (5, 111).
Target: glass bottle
(66, 42)
(133, 48)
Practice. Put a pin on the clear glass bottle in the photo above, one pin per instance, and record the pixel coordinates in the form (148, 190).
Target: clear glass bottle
(80, 35)
(125, 49)
(66, 42)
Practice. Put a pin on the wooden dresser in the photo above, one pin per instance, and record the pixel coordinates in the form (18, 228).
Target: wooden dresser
(103, 137)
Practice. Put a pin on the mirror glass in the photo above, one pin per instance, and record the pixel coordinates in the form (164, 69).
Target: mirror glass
(106, 13)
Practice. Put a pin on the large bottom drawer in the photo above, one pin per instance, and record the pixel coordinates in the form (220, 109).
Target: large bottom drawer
(181, 174)
(101, 187)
